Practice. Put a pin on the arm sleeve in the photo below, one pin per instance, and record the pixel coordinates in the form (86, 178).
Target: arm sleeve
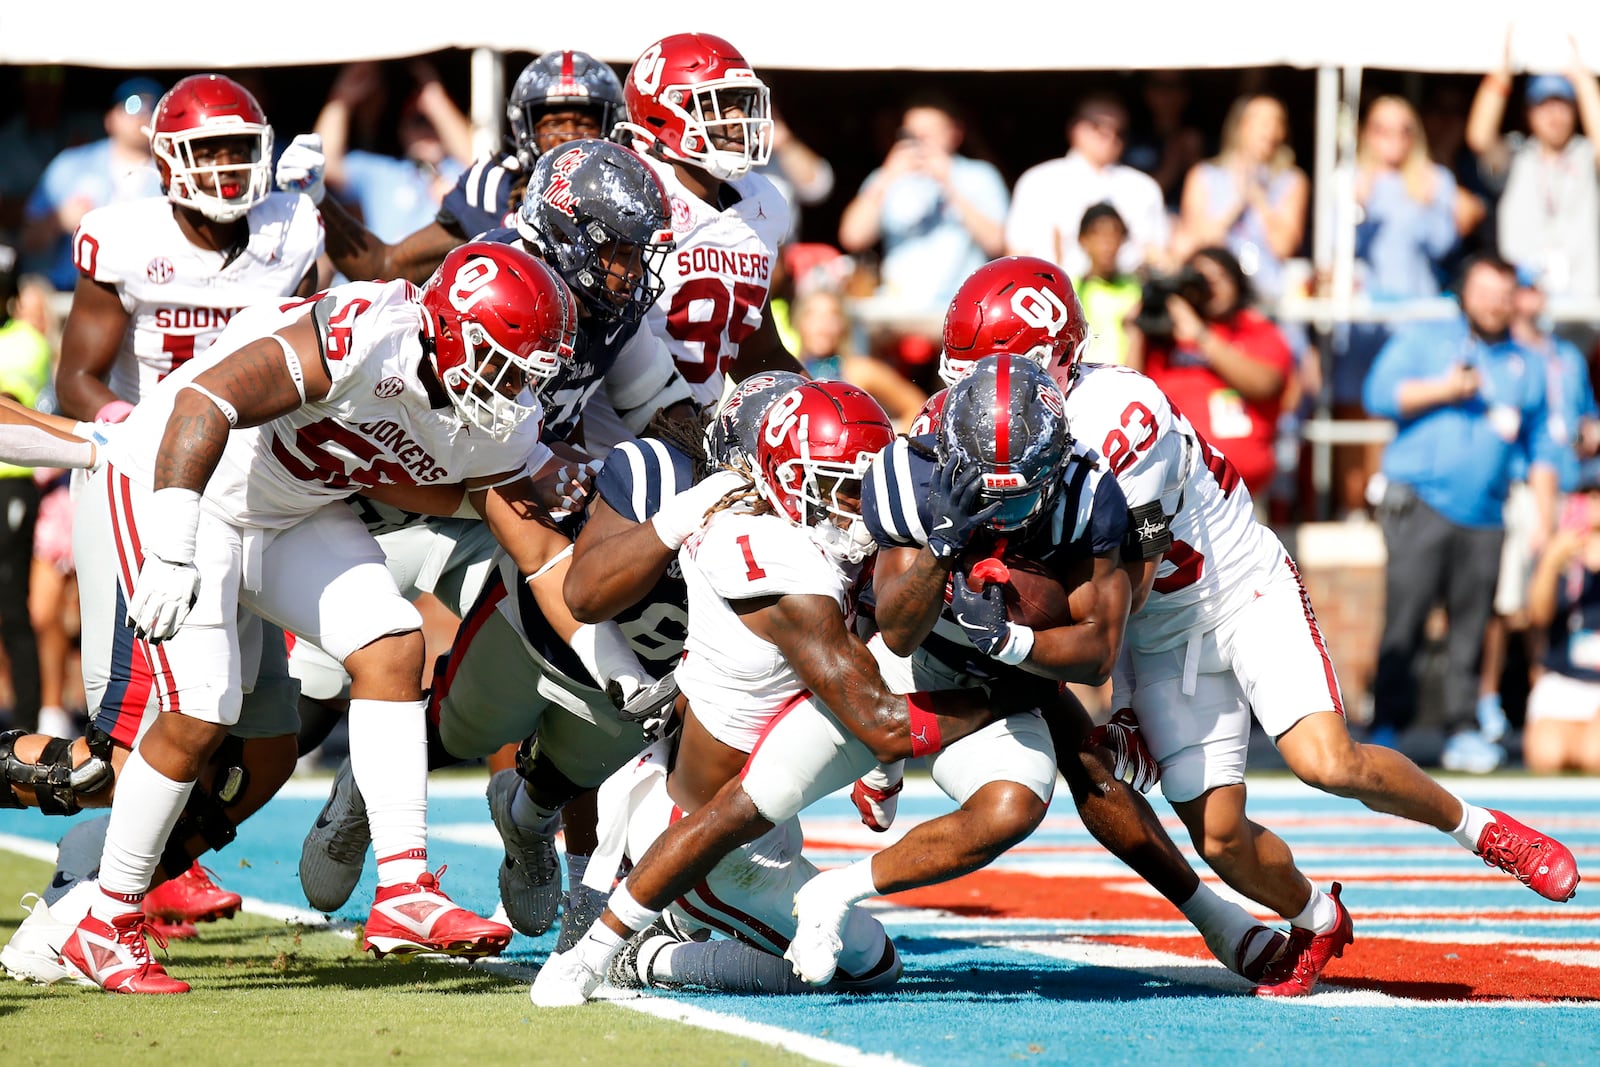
(643, 380)
(1108, 522)
(891, 493)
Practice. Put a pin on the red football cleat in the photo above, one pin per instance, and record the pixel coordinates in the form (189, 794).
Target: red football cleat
(1296, 971)
(192, 897)
(877, 806)
(114, 956)
(178, 931)
(1541, 863)
(418, 917)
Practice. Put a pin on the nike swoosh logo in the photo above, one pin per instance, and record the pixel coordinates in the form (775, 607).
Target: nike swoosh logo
(944, 524)
(969, 625)
(61, 880)
(322, 819)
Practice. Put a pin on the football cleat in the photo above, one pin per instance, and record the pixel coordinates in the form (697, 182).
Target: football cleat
(336, 848)
(34, 952)
(565, 981)
(1257, 950)
(530, 875)
(813, 952)
(417, 917)
(1541, 863)
(192, 897)
(876, 799)
(173, 931)
(114, 956)
(1295, 973)
(630, 968)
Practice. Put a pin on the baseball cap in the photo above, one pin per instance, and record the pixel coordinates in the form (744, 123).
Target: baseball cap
(1544, 87)
(1528, 277)
(137, 96)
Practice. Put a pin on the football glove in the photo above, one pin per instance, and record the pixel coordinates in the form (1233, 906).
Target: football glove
(1131, 759)
(955, 502)
(982, 617)
(301, 166)
(682, 516)
(162, 598)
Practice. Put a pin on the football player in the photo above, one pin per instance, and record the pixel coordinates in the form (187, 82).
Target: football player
(1223, 629)
(158, 280)
(215, 499)
(771, 594)
(559, 97)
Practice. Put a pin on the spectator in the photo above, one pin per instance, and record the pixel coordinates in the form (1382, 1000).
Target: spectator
(939, 214)
(394, 197)
(1170, 144)
(24, 374)
(823, 330)
(1472, 414)
(1250, 198)
(80, 179)
(1563, 727)
(1223, 364)
(1052, 196)
(1108, 295)
(1548, 216)
(37, 129)
(1444, 126)
(801, 175)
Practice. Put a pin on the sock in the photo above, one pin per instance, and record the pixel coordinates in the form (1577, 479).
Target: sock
(598, 946)
(885, 776)
(727, 966)
(530, 815)
(1234, 936)
(851, 883)
(606, 654)
(1319, 915)
(75, 903)
(1473, 821)
(577, 867)
(77, 857)
(146, 809)
(389, 758)
(634, 916)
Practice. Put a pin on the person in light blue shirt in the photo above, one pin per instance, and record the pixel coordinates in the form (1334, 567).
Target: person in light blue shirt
(940, 215)
(1472, 413)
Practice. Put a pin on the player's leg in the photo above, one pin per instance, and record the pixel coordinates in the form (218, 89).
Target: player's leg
(1279, 655)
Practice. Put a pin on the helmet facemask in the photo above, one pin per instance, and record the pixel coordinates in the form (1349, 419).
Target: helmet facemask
(724, 147)
(493, 388)
(188, 178)
(617, 279)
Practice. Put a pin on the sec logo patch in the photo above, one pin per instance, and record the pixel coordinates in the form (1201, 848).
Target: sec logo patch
(390, 386)
(159, 270)
(681, 219)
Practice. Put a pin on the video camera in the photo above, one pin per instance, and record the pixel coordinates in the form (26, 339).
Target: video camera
(1188, 284)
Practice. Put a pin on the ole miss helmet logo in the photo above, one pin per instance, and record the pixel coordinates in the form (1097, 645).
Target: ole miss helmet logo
(159, 270)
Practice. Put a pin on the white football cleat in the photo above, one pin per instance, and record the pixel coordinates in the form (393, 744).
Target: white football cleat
(336, 848)
(565, 981)
(819, 934)
(34, 952)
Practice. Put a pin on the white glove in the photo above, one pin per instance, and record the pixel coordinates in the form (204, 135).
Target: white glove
(162, 598)
(301, 165)
(682, 516)
(99, 434)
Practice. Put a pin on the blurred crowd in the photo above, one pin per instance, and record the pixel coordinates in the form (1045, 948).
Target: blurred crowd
(1186, 242)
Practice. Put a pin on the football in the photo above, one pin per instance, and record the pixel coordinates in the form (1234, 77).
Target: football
(1035, 595)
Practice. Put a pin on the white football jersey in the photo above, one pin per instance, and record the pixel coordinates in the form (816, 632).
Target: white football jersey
(180, 296)
(718, 276)
(736, 681)
(376, 426)
(1220, 554)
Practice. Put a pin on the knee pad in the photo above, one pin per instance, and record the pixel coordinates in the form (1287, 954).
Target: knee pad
(776, 795)
(547, 786)
(54, 780)
(205, 815)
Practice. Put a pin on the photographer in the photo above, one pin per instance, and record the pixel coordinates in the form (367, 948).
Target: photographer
(1222, 363)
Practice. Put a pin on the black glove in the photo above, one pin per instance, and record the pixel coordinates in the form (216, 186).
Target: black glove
(982, 617)
(955, 504)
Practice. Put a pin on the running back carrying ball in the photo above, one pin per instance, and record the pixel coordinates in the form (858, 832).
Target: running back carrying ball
(1035, 595)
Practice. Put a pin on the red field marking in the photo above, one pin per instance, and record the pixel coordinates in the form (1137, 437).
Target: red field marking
(1012, 895)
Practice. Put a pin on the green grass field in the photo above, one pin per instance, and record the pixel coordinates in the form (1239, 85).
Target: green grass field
(267, 992)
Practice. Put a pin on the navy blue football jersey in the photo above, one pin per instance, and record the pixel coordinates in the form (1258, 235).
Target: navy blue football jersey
(483, 198)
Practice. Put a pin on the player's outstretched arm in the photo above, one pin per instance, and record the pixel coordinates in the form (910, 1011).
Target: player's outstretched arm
(908, 585)
(89, 343)
(31, 438)
(833, 663)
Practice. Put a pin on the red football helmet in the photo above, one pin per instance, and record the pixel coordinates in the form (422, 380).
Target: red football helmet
(1022, 305)
(931, 415)
(500, 324)
(816, 440)
(199, 111)
(680, 92)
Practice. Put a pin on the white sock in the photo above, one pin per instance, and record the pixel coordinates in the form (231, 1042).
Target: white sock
(598, 945)
(1473, 820)
(529, 815)
(389, 758)
(727, 966)
(145, 810)
(884, 776)
(1319, 915)
(1210, 914)
(608, 657)
(849, 884)
(75, 903)
(633, 915)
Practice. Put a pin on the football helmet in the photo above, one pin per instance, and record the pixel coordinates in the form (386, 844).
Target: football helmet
(497, 324)
(816, 442)
(1010, 418)
(732, 434)
(560, 81)
(199, 111)
(1022, 305)
(931, 416)
(599, 215)
(681, 93)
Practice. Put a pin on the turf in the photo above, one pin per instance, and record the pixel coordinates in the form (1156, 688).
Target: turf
(270, 992)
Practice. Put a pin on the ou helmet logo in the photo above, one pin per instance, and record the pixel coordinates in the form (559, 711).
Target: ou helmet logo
(1041, 309)
(782, 418)
(647, 70)
(471, 282)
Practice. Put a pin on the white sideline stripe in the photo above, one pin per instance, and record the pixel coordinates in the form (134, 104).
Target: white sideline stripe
(816, 1048)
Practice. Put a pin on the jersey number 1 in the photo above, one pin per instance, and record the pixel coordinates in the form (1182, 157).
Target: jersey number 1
(752, 572)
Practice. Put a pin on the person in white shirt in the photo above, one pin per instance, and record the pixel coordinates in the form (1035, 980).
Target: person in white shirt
(1050, 198)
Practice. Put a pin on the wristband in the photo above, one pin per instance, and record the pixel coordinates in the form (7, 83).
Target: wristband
(924, 724)
(1017, 646)
(171, 537)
